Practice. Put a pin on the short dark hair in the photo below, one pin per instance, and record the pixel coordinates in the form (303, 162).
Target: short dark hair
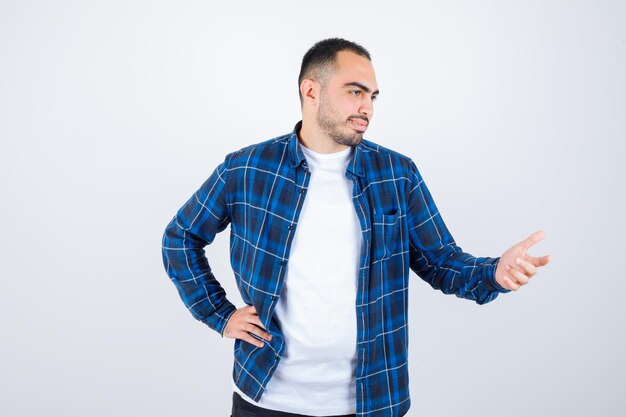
(319, 60)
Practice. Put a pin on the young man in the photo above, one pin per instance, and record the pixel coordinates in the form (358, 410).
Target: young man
(325, 227)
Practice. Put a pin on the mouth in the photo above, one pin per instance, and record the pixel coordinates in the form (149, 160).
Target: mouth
(359, 124)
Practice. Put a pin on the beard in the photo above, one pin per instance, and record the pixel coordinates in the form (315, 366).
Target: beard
(336, 129)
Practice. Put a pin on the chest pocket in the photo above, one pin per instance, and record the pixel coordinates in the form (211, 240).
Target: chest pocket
(386, 228)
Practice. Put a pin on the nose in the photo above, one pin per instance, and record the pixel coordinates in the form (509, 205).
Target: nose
(366, 108)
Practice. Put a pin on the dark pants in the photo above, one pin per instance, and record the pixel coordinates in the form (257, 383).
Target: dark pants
(242, 408)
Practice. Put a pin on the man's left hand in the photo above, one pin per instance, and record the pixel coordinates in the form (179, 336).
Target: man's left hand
(516, 267)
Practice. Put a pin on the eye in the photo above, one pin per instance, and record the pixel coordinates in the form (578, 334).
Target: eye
(355, 91)
(374, 98)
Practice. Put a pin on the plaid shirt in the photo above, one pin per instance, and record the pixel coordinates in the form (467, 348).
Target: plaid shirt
(259, 191)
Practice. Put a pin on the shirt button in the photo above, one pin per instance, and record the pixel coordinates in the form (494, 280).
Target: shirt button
(276, 357)
(290, 227)
(274, 297)
(283, 262)
(302, 190)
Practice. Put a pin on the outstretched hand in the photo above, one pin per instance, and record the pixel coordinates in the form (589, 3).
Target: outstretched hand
(516, 267)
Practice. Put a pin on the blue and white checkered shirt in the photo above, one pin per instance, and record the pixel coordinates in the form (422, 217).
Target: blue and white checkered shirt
(259, 191)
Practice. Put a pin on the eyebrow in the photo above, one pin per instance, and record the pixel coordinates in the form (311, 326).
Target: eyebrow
(362, 87)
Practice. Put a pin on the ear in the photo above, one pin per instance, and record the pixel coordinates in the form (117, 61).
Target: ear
(310, 91)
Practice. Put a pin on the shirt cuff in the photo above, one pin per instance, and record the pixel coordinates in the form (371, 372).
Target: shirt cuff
(218, 319)
(221, 331)
(490, 273)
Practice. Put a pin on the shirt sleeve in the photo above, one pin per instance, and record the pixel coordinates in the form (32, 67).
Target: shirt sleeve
(437, 259)
(193, 227)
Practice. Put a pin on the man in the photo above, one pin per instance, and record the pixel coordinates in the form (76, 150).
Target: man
(325, 226)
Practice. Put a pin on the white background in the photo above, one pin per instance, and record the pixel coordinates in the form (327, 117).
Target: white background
(112, 113)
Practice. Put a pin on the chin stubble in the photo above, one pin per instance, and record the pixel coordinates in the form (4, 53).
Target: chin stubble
(332, 129)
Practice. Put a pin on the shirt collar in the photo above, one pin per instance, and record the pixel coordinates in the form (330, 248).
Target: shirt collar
(296, 154)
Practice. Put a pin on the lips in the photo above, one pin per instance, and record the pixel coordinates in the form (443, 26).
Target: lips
(359, 124)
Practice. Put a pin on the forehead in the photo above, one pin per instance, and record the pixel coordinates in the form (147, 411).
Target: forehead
(350, 67)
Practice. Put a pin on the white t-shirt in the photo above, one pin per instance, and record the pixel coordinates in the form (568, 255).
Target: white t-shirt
(317, 306)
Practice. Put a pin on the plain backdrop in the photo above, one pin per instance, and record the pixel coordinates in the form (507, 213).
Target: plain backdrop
(112, 113)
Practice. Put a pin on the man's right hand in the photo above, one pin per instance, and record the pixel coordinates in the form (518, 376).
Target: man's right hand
(243, 322)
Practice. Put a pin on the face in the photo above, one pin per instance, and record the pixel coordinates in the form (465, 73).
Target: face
(346, 102)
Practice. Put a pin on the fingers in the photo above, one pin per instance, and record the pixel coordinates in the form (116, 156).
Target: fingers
(541, 260)
(523, 270)
(513, 277)
(509, 284)
(518, 277)
(538, 261)
(247, 338)
(249, 329)
(256, 320)
(256, 323)
(526, 267)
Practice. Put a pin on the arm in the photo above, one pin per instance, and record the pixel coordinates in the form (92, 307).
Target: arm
(437, 259)
(193, 227)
